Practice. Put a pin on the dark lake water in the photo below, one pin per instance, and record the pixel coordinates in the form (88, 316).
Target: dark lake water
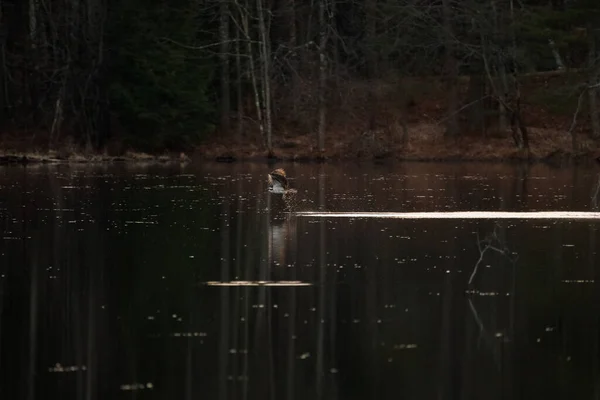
(194, 283)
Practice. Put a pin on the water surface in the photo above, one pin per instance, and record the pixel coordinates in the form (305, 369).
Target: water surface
(193, 282)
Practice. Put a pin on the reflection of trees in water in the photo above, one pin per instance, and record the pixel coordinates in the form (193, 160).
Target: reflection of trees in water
(278, 337)
(490, 320)
(376, 328)
(49, 294)
(596, 194)
(494, 242)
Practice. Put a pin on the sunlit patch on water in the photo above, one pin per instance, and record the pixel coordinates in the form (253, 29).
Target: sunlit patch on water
(258, 283)
(569, 215)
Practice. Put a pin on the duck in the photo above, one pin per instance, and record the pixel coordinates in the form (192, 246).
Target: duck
(278, 184)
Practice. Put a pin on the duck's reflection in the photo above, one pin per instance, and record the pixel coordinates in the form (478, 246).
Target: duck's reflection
(282, 232)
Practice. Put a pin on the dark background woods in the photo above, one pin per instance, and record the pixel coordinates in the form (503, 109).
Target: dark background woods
(165, 74)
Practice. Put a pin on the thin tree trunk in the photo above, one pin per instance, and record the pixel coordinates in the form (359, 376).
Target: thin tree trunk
(502, 95)
(517, 116)
(450, 72)
(371, 59)
(224, 61)
(291, 13)
(266, 86)
(371, 30)
(334, 46)
(252, 65)
(476, 106)
(322, 75)
(293, 43)
(58, 117)
(32, 79)
(238, 71)
(592, 91)
(3, 68)
(559, 63)
(33, 23)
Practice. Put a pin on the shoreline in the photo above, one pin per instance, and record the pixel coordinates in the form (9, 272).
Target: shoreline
(9, 158)
(476, 154)
(426, 144)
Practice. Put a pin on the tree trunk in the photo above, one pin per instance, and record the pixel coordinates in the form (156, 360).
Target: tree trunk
(266, 75)
(252, 67)
(517, 116)
(592, 90)
(475, 108)
(291, 17)
(3, 69)
(334, 43)
(32, 78)
(322, 75)
(503, 96)
(450, 72)
(371, 30)
(293, 43)
(239, 91)
(557, 58)
(371, 59)
(224, 61)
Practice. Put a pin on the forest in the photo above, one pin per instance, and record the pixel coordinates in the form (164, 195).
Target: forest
(310, 78)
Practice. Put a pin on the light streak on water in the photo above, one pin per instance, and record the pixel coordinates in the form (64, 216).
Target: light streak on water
(564, 215)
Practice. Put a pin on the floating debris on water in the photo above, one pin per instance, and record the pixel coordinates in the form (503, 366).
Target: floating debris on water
(72, 368)
(405, 346)
(189, 334)
(137, 386)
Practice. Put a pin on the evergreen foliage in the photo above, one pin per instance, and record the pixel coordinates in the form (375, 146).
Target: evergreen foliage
(159, 82)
